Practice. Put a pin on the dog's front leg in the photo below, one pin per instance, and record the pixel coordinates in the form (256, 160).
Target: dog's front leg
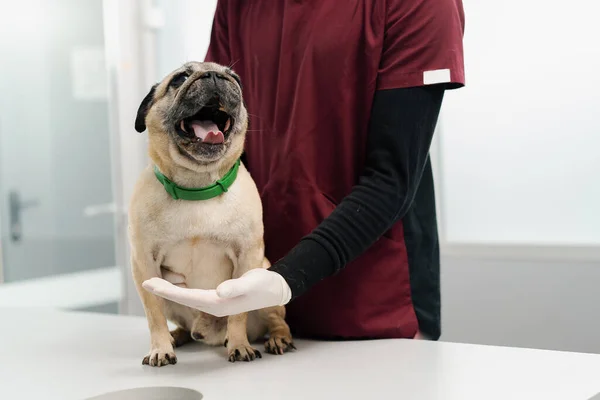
(161, 342)
(238, 346)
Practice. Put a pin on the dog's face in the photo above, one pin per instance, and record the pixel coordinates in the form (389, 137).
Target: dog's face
(195, 116)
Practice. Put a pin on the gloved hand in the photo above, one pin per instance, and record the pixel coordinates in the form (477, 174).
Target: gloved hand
(257, 288)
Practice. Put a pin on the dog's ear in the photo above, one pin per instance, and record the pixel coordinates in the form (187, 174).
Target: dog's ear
(140, 120)
(236, 77)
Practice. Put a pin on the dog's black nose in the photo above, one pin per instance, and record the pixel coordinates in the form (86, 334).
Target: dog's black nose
(212, 75)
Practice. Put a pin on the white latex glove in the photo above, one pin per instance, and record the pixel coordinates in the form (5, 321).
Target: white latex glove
(257, 288)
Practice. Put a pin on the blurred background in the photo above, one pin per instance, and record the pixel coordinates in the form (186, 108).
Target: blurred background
(516, 160)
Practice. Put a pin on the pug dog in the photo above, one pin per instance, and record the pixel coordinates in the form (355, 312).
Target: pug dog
(197, 122)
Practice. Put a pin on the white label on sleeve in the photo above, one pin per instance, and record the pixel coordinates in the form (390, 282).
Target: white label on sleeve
(436, 76)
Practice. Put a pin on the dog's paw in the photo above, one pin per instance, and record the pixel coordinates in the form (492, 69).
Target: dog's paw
(242, 353)
(279, 344)
(179, 337)
(159, 357)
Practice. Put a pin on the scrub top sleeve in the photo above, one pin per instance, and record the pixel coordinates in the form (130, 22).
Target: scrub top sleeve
(423, 44)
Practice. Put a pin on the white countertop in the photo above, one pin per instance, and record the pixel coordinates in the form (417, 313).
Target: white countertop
(56, 355)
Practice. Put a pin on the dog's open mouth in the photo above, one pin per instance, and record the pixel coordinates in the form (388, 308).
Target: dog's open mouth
(211, 125)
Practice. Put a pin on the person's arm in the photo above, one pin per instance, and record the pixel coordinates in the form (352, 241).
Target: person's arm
(400, 133)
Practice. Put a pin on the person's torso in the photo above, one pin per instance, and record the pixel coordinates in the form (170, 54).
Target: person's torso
(309, 74)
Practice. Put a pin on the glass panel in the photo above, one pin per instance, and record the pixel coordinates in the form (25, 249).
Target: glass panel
(55, 175)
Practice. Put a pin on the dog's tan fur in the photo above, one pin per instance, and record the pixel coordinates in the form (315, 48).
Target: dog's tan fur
(203, 242)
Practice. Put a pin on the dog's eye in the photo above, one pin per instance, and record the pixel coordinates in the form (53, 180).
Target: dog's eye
(179, 79)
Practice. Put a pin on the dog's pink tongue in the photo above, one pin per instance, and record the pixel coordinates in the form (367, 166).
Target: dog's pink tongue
(208, 132)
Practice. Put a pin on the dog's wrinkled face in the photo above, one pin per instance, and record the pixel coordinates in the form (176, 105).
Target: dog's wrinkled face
(196, 114)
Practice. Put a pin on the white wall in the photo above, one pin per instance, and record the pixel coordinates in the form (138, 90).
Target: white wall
(519, 167)
(520, 143)
(186, 33)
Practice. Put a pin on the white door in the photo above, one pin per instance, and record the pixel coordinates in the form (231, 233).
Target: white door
(57, 231)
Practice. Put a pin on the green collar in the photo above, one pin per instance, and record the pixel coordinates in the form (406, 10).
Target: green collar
(205, 193)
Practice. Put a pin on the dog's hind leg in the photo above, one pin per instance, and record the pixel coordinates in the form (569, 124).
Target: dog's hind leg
(180, 337)
(280, 338)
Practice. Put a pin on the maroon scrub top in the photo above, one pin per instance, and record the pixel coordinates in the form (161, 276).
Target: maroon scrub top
(309, 70)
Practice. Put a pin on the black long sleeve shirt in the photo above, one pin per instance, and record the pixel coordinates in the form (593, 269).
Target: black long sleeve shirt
(401, 128)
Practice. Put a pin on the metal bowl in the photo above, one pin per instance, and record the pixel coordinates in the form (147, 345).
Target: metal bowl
(151, 393)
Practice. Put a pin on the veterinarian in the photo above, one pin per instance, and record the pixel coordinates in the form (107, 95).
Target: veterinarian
(344, 98)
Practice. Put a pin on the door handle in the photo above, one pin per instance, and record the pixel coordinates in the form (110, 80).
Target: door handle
(16, 207)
